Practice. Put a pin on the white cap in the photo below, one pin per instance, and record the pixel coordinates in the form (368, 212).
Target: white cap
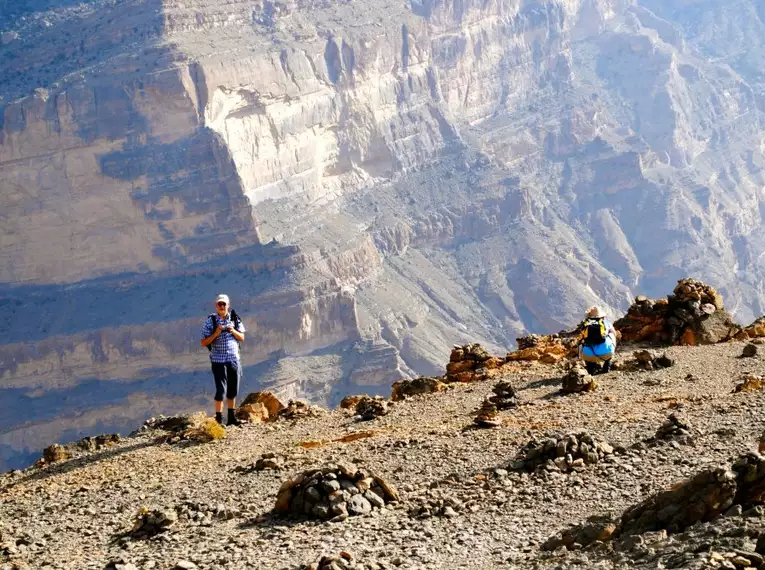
(223, 298)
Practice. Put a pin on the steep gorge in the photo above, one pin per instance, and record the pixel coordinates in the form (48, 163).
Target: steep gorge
(371, 182)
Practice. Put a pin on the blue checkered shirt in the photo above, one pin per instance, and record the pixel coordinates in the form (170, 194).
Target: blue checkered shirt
(225, 348)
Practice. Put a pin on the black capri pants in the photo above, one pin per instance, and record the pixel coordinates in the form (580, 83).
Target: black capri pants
(227, 376)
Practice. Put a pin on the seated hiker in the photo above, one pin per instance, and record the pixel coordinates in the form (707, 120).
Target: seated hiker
(598, 342)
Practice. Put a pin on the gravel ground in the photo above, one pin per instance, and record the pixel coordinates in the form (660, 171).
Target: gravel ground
(75, 514)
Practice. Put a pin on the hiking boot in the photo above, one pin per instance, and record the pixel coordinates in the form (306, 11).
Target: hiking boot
(606, 367)
(232, 419)
(219, 417)
(592, 368)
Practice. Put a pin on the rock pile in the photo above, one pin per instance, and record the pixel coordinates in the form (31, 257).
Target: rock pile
(149, 524)
(265, 462)
(673, 429)
(504, 396)
(645, 360)
(298, 410)
(471, 363)
(334, 493)
(423, 385)
(259, 407)
(57, 452)
(693, 314)
(701, 498)
(571, 452)
(488, 415)
(370, 408)
(577, 379)
(203, 514)
(548, 349)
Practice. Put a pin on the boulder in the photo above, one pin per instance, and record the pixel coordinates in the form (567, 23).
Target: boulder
(259, 407)
(371, 408)
(349, 402)
(422, 385)
(750, 351)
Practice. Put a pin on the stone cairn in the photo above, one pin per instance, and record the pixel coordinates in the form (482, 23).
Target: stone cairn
(577, 379)
(488, 415)
(548, 349)
(701, 498)
(673, 429)
(150, 523)
(504, 396)
(334, 493)
(370, 408)
(471, 363)
(693, 314)
(564, 453)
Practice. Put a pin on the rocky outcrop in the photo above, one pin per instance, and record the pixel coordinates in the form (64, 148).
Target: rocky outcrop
(548, 349)
(701, 498)
(693, 314)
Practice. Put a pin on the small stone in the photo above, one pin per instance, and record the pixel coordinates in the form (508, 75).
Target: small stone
(358, 505)
(750, 350)
(185, 565)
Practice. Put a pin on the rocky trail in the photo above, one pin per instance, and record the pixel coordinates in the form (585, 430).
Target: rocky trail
(462, 496)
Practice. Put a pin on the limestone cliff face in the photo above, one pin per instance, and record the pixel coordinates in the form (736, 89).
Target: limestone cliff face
(370, 181)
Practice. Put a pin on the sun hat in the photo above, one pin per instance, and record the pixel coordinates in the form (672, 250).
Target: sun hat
(223, 298)
(595, 312)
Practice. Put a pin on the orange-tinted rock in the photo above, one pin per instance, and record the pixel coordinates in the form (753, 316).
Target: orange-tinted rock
(422, 385)
(349, 402)
(688, 338)
(458, 367)
(270, 403)
(254, 413)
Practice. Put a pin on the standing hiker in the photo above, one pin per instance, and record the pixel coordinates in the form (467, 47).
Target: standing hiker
(598, 342)
(221, 334)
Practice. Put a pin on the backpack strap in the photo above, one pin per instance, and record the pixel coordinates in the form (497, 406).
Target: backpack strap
(211, 318)
(235, 318)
